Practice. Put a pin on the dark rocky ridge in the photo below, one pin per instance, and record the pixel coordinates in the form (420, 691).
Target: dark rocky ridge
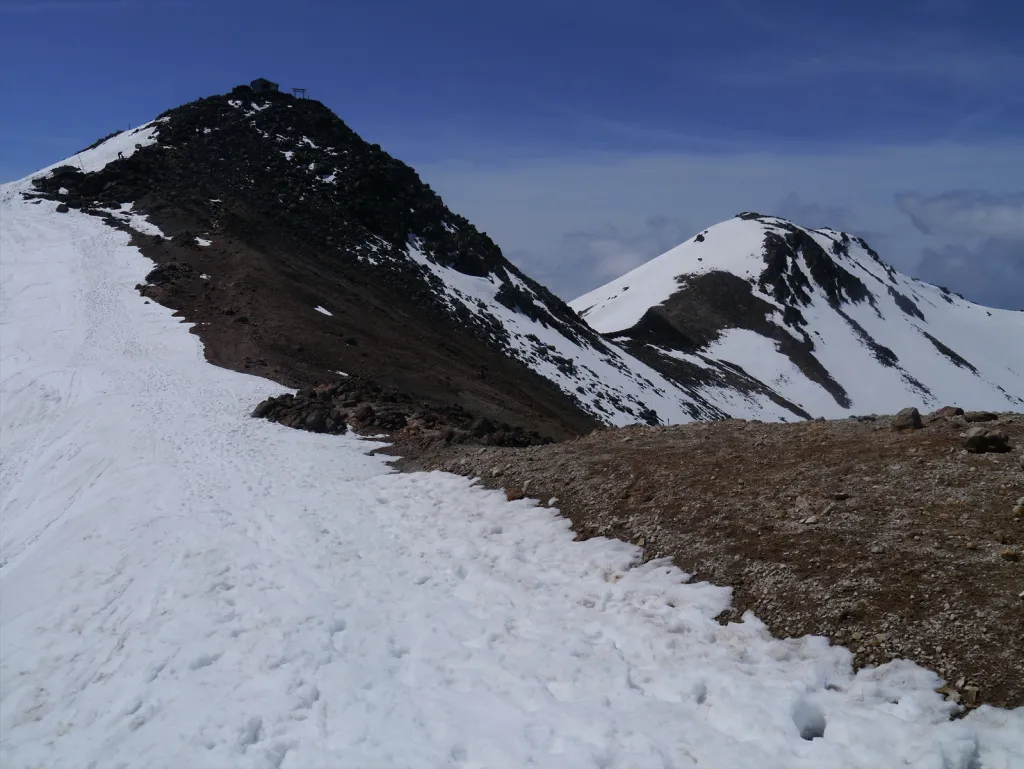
(303, 213)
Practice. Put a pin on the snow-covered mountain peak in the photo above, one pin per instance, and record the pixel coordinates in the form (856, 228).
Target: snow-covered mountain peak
(815, 314)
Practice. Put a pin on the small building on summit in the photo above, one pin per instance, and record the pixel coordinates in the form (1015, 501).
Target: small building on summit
(262, 85)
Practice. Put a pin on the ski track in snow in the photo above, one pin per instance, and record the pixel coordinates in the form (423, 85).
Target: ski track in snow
(182, 585)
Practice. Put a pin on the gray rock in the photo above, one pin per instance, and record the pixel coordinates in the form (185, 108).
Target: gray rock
(980, 416)
(907, 419)
(981, 440)
(316, 421)
(362, 411)
(264, 408)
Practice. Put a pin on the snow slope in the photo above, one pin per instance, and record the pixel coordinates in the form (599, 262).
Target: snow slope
(125, 143)
(981, 367)
(181, 585)
(609, 383)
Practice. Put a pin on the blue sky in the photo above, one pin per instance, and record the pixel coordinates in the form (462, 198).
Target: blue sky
(586, 137)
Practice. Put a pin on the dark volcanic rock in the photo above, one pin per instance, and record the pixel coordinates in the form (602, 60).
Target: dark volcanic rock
(301, 212)
(328, 408)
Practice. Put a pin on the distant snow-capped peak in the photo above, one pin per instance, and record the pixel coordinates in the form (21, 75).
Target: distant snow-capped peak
(816, 316)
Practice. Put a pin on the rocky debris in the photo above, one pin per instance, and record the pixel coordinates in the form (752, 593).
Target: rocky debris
(185, 239)
(907, 419)
(365, 406)
(896, 544)
(981, 440)
(949, 411)
(980, 416)
(168, 273)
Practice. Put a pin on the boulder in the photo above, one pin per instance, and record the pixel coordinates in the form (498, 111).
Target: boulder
(949, 411)
(264, 408)
(362, 412)
(980, 416)
(981, 440)
(482, 427)
(316, 421)
(907, 419)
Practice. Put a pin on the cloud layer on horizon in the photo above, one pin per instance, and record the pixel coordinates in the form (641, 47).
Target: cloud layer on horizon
(947, 213)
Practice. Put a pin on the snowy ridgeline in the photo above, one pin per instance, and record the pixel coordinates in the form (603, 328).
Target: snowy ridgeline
(184, 586)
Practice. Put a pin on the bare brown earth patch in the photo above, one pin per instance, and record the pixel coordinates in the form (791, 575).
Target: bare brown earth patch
(897, 544)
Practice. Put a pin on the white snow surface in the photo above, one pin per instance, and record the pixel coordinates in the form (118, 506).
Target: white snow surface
(615, 386)
(182, 585)
(324, 311)
(98, 157)
(992, 340)
(138, 222)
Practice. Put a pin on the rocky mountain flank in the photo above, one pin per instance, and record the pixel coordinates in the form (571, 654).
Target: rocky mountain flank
(286, 239)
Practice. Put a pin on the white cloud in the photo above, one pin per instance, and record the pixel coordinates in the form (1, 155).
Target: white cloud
(991, 273)
(963, 212)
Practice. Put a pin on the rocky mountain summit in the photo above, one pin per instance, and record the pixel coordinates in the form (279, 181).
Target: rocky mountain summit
(299, 250)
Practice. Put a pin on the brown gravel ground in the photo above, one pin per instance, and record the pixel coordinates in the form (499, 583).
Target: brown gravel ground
(893, 543)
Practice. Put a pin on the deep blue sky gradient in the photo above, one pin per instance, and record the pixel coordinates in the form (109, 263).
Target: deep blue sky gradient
(454, 84)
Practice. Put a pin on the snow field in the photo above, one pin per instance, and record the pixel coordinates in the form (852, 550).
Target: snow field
(181, 585)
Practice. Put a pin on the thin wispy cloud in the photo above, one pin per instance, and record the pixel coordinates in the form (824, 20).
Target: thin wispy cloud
(966, 212)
